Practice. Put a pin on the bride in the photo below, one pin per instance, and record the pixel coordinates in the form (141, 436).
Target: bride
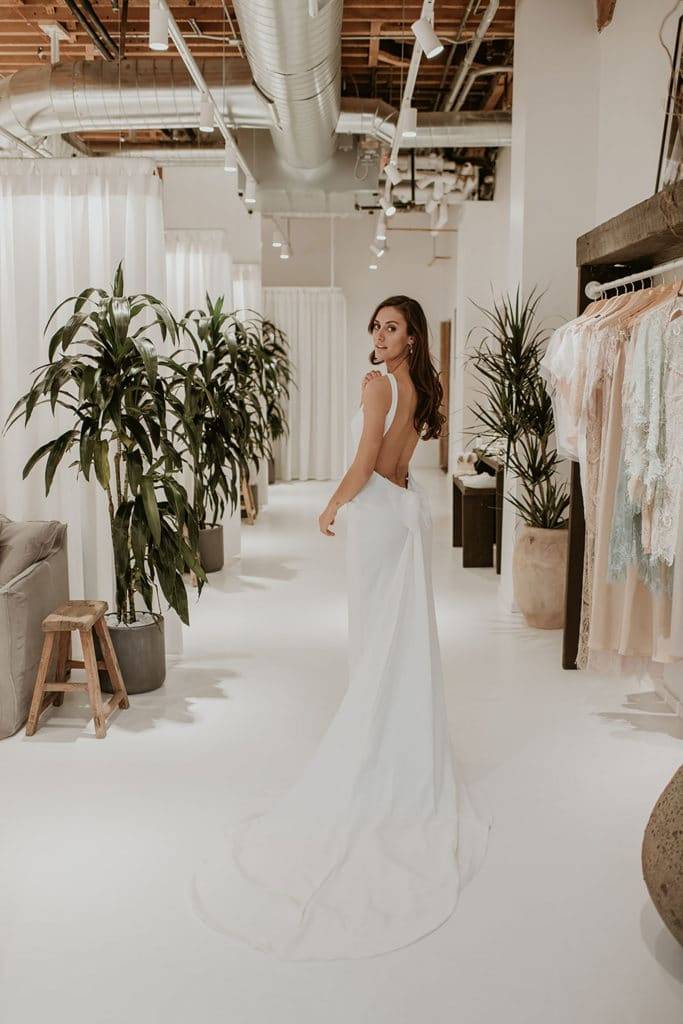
(369, 849)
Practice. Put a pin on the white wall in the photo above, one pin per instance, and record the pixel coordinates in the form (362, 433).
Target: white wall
(206, 197)
(634, 78)
(482, 270)
(403, 269)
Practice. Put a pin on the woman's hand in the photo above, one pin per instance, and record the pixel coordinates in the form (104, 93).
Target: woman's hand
(326, 519)
(368, 376)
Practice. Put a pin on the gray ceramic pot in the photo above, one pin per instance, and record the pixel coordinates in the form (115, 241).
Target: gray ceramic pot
(211, 548)
(140, 651)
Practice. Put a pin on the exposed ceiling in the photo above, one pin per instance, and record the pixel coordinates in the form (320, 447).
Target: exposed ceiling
(376, 41)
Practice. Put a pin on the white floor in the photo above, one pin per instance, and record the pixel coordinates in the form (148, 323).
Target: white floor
(98, 838)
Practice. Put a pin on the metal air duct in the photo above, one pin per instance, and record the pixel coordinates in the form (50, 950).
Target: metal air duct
(295, 58)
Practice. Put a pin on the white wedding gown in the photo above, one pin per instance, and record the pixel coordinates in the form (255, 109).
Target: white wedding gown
(368, 850)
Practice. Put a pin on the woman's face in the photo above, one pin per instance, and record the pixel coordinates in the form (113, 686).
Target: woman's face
(389, 333)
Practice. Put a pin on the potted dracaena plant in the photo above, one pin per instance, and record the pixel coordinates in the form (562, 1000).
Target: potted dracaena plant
(220, 420)
(516, 409)
(277, 375)
(103, 367)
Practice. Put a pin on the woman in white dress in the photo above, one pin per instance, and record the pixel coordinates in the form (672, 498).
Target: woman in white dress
(368, 850)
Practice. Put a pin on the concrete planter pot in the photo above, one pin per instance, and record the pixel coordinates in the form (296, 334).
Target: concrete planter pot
(140, 651)
(539, 564)
(662, 855)
(211, 548)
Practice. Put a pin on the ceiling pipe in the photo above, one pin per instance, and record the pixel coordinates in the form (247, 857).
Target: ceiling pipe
(454, 47)
(475, 73)
(101, 45)
(21, 144)
(99, 26)
(482, 28)
(199, 80)
(295, 59)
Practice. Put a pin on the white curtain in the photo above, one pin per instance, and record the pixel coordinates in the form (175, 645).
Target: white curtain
(314, 320)
(197, 262)
(246, 285)
(64, 226)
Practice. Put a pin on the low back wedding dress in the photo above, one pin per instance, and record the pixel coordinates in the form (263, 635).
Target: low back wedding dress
(368, 850)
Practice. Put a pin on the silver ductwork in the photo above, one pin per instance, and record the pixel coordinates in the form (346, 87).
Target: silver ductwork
(295, 59)
(434, 131)
(103, 96)
(158, 93)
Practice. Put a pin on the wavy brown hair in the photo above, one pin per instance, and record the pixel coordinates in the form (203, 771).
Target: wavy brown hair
(423, 373)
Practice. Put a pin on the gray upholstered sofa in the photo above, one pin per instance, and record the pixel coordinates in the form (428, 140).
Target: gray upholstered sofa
(34, 580)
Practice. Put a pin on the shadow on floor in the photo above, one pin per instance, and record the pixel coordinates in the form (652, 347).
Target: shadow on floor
(170, 703)
(660, 942)
(647, 712)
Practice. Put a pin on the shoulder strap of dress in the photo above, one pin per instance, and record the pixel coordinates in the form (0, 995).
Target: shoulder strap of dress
(394, 401)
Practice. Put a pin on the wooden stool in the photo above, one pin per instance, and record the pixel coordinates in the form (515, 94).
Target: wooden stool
(83, 616)
(474, 522)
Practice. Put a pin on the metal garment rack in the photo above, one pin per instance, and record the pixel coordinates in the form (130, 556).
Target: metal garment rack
(641, 242)
(595, 290)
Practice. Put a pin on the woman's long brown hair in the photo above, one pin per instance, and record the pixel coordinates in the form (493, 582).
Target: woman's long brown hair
(423, 373)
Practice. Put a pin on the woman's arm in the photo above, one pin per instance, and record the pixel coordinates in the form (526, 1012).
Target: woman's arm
(376, 403)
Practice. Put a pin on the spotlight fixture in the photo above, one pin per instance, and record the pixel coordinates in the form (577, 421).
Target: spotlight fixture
(205, 113)
(442, 218)
(277, 237)
(392, 172)
(423, 30)
(373, 266)
(250, 191)
(381, 233)
(408, 122)
(438, 188)
(387, 206)
(430, 205)
(230, 164)
(285, 251)
(378, 250)
(158, 26)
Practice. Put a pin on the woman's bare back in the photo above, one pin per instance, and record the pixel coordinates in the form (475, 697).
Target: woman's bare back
(400, 440)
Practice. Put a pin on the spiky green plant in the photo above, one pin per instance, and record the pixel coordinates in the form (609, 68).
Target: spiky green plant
(215, 395)
(105, 369)
(516, 407)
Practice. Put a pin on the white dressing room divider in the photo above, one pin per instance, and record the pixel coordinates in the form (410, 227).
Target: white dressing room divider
(64, 226)
(248, 295)
(198, 262)
(314, 320)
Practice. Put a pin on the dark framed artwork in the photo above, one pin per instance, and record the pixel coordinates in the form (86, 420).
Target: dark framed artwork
(670, 168)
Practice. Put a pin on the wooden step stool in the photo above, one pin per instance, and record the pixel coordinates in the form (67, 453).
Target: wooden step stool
(57, 627)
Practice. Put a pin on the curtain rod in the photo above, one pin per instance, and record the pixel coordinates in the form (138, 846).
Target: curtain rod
(594, 289)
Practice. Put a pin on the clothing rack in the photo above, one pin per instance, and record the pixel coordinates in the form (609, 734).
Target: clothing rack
(637, 241)
(595, 290)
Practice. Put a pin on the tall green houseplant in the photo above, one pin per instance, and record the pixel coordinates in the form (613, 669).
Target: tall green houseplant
(515, 407)
(103, 367)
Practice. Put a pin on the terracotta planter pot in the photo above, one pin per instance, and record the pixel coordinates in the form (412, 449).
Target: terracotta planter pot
(539, 564)
(662, 856)
(211, 548)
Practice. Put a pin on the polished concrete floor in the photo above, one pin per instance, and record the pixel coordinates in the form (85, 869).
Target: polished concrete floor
(98, 839)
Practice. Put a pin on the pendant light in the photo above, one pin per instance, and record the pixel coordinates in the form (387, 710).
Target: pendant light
(205, 113)
(378, 250)
(392, 173)
(285, 251)
(388, 206)
(373, 266)
(158, 26)
(423, 30)
(230, 164)
(408, 122)
(250, 191)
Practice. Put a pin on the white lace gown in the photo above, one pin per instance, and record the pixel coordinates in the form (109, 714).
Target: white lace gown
(369, 849)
